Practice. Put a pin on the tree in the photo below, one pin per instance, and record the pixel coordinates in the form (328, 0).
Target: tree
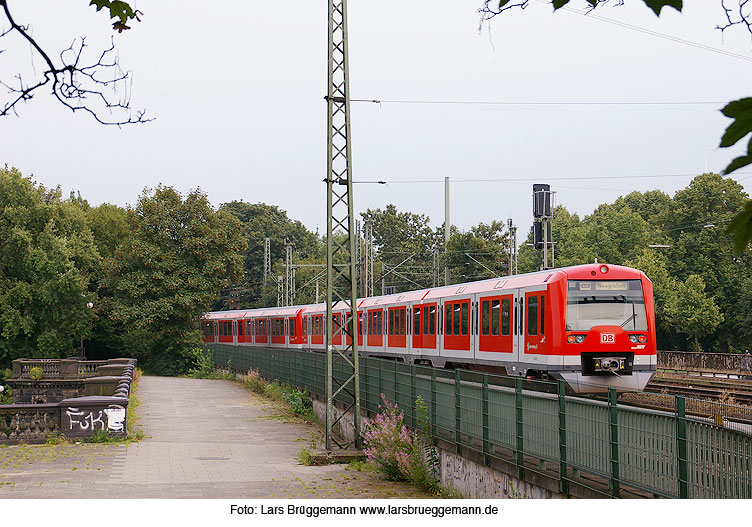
(77, 79)
(260, 221)
(692, 311)
(480, 253)
(168, 273)
(405, 245)
(46, 264)
(700, 247)
(740, 111)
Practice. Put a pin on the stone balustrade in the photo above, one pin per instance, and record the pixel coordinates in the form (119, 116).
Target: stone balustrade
(73, 399)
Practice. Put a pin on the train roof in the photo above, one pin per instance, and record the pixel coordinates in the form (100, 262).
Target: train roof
(576, 272)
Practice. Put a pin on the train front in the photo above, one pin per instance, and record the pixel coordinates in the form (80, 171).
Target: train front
(610, 326)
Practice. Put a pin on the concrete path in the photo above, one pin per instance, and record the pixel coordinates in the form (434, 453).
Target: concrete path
(204, 439)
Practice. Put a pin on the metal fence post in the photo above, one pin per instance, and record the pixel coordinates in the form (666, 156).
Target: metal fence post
(614, 433)
(457, 411)
(433, 402)
(518, 421)
(412, 394)
(486, 449)
(381, 381)
(563, 475)
(681, 443)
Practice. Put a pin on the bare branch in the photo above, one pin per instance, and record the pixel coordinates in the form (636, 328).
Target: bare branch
(91, 87)
(736, 16)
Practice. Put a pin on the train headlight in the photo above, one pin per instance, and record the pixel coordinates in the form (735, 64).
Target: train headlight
(642, 339)
(576, 339)
(604, 269)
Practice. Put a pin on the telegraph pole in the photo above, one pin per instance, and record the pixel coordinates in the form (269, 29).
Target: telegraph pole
(447, 230)
(368, 260)
(267, 259)
(512, 248)
(289, 275)
(341, 273)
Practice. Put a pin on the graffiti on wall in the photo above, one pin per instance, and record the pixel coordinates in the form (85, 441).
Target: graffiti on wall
(111, 418)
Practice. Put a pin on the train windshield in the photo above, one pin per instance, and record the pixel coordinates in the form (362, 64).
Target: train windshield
(605, 303)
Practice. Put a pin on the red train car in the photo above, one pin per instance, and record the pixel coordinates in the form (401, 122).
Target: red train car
(592, 326)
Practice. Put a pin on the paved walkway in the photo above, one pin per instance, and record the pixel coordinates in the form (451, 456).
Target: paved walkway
(204, 439)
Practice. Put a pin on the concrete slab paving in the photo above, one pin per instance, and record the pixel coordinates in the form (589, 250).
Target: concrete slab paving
(204, 439)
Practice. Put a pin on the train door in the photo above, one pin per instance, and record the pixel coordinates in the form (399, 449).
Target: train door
(457, 324)
(375, 328)
(360, 329)
(430, 326)
(417, 327)
(337, 329)
(532, 327)
(535, 329)
(397, 337)
(495, 333)
(304, 329)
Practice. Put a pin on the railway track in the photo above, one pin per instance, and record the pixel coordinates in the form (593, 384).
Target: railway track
(722, 390)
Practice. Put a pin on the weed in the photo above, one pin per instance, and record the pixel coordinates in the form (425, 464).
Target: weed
(305, 457)
(36, 373)
(56, 438)
(299, 401)
(358, 465)
(103, 436)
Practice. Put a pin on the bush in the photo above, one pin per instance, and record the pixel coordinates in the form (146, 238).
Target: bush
(399, 453)
(389, 444)
(36, 373)
(298, 400)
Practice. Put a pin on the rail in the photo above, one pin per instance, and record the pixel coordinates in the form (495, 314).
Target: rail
(534, 428)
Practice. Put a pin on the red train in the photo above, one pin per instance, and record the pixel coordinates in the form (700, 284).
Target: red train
(591, 325)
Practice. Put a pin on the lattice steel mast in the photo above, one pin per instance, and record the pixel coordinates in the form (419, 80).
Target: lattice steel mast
(341, 273)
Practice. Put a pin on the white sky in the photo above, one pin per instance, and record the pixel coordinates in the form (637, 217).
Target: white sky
(237, 91)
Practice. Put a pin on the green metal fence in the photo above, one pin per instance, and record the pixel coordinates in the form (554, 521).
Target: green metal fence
(607, 448)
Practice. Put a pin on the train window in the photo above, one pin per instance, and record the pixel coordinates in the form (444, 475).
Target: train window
(465, 310)
(448, 319)
(432, 317)
(240, 329)
(391, 322)
(532, 315)
(542, 315)
(495, 317)
(416, 320)
(379, 319)
(402, 322)
(456, 318)
(505, 311)
(485, 315)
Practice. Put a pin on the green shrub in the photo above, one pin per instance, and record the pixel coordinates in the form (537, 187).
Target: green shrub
(36, 373)
(299, 401)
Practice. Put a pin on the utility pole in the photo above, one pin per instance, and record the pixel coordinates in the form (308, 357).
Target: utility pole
(267, 259)
(447, 230)
(512, 248)
(435, 266)
(280, 290)
(341, 277)
(289, 275)
(368, 260)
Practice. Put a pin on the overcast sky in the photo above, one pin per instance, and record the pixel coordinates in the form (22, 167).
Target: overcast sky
(237, 92)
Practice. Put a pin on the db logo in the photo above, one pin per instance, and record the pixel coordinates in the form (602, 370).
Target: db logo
(608, 338)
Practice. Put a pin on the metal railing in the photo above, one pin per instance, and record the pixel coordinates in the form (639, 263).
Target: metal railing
(599, 445)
